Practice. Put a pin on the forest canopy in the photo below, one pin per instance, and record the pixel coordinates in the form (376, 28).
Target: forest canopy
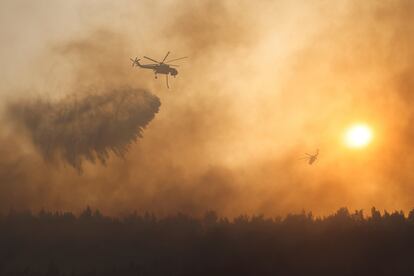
(344, 243)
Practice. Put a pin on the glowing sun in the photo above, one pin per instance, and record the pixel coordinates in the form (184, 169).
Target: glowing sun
(358, 136)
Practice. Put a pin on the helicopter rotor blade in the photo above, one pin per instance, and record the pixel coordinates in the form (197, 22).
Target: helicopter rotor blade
(152, 59)
(176, 59)
(166, 77)
(134, 61)
(165, 57)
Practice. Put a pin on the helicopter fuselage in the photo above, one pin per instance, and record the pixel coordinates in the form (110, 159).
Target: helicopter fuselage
(312, 159)
(160, 69)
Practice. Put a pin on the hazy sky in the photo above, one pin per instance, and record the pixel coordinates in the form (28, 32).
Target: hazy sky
(266, 81)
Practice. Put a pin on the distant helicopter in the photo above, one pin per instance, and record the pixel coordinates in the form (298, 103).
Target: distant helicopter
(311, 157)
(159, 67)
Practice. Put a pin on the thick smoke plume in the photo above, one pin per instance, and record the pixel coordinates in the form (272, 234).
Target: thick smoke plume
(87, 128)
(266, 81)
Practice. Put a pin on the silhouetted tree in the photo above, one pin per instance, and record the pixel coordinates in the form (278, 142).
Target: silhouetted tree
(344, 243)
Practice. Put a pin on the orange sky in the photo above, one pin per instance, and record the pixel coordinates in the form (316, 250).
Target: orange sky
(265, 82)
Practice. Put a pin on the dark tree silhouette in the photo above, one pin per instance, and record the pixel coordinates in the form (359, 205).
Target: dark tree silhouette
(344, 243)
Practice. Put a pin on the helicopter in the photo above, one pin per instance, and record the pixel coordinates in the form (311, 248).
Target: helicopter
(162, 67)
(311, 157)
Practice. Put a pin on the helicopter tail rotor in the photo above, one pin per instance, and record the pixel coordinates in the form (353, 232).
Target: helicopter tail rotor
(135, 62)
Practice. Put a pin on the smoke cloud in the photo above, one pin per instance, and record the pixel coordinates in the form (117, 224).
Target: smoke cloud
(266, 81)
(87, 128)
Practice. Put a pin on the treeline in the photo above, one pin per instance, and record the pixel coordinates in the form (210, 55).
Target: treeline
(344, 243)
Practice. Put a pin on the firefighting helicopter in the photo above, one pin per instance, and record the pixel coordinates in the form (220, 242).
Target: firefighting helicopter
(162, 67)
(311, 157)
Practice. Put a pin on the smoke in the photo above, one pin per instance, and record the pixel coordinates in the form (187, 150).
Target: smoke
(266, 81)
(86, 128)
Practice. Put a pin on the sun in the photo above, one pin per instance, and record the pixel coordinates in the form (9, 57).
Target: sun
(358, 136)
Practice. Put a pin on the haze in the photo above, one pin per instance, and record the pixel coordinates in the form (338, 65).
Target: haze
(266, 81)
